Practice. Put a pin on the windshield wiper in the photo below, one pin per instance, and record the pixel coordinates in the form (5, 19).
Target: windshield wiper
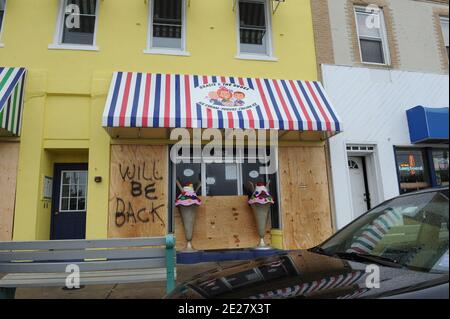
(384, 261)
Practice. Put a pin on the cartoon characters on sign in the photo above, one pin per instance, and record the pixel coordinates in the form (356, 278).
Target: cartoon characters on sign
(226, 97)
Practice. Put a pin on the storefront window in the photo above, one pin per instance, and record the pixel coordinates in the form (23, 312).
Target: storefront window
(412, 169)
(440, 162)
(224, 176)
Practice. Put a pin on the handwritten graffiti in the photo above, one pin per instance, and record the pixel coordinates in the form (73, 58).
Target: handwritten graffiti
(142, 181)
(127, 214)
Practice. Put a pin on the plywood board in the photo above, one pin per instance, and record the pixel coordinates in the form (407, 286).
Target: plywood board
(305, 201)
(138, 191)
(9, 157)
(222, 222)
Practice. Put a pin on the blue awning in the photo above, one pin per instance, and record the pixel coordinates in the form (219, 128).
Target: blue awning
(428, 125)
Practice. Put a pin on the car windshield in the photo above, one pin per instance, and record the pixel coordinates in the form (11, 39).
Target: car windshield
(411, 231)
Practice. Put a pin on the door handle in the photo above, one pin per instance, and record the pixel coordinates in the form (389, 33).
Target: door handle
(56, 212)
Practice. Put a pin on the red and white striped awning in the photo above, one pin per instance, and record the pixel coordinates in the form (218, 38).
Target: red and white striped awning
(172, 100)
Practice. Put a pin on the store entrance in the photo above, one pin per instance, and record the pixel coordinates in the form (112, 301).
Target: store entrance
(69, 201)
(359, 185)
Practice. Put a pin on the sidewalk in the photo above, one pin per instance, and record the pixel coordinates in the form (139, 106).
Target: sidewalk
(151, 290)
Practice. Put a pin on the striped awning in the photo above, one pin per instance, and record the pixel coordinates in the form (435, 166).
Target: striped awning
(12, 82)
(172, 100)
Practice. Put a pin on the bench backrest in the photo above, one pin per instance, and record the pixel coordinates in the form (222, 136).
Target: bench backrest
(89, 255)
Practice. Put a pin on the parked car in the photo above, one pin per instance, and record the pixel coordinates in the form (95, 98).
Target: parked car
(399, 249)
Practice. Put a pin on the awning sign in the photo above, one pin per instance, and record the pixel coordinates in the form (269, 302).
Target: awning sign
(230, 97)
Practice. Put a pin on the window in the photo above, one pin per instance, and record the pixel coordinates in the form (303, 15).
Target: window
(77, 24)
(167, 25)
(440, 163)
(412, 169)
(372, 36)
(221, 175)
(444, 25)
(2, 14)
(73, 191)
(254, 28)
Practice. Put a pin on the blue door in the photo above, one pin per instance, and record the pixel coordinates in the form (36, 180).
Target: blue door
(69, 201)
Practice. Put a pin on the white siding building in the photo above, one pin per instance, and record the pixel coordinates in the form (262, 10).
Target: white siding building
(372, 104)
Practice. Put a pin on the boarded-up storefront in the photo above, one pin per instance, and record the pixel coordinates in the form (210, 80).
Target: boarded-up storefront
(146, 182)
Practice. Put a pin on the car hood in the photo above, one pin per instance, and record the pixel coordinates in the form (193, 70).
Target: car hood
(304, 274)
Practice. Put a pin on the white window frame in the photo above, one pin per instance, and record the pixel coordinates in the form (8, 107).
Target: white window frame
(57, 39)
(384, 38)
(61, 197)
(2, 24)
(443, 20)
(254, 56)
(150, 49)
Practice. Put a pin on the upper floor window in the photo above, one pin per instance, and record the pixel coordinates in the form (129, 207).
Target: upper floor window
(444, 25)
(254, 27)
(2, 14)
(372, 37)
(77, 23)
(167, 25)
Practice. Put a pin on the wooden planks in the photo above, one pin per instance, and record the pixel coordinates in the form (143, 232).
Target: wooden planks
(138, 191)
(222, 222)
(9, 158)
(305, 201)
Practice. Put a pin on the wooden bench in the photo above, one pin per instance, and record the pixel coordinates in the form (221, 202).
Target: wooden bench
(112, 261)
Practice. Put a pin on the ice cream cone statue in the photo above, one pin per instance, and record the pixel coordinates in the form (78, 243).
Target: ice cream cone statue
(260, 202)
(188, 203)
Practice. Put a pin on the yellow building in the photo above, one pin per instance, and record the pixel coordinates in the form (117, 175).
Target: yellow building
(106, 83)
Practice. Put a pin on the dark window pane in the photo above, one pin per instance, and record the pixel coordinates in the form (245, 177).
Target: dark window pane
(252, 22)
(64, 204)
(167, 12)
(86, 6)
(372, 51)
(188, 173)
(252, 15)
(81, 204)
(73, 204)
(1, 19)
(221, 179)
(82, 35)
(251, 174)
(412, 170)
(440, 161)
(65, 191)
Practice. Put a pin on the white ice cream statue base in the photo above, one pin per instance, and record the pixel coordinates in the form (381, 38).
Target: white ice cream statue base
(260, 203)
(188, 204)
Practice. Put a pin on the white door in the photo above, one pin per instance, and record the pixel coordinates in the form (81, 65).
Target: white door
(355, 166)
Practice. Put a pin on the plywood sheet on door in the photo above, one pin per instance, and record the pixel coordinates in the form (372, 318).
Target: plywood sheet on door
(222, 222)
(9, 157)
(138, 191)
(304, 193)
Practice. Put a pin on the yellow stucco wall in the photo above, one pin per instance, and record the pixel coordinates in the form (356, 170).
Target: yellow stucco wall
(66, 89)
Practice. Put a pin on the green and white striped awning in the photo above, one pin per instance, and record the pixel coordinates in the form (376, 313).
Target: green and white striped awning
(12, 82)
